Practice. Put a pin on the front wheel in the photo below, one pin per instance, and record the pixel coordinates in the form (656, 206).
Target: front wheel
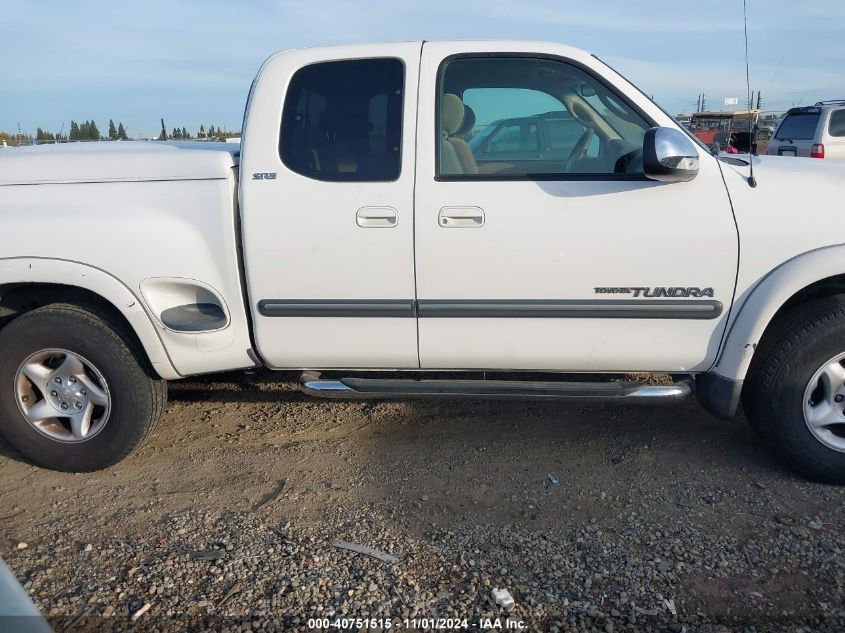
(76, 391)
(795, 397)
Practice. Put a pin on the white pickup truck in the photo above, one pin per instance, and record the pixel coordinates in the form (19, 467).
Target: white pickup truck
(358, 234)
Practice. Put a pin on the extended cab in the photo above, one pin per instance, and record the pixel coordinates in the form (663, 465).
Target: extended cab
(356, 231)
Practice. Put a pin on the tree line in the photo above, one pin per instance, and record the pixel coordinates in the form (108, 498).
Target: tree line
(182, 133)
(88, 131)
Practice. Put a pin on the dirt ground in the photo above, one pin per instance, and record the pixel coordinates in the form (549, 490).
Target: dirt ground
(249, 444)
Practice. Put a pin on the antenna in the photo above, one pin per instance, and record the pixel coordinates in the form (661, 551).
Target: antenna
(751, 181)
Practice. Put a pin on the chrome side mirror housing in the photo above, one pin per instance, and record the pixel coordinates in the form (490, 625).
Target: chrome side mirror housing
(669, 156)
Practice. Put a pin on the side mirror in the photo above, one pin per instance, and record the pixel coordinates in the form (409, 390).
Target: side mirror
(669, 156)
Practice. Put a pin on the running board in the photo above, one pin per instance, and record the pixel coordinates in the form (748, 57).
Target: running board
(358, 388)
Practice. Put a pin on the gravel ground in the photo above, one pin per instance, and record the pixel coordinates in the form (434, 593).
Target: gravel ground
(663, 519)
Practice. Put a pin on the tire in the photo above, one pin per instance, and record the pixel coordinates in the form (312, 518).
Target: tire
(126, 398)
(801, 344)
(773, 334)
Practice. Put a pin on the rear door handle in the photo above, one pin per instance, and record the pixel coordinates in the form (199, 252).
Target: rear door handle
(376, 217)
(461, 217)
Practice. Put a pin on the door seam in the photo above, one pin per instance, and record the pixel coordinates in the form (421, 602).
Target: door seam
(414, 201)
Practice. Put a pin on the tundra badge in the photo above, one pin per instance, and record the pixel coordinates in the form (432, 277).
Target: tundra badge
(659, 291)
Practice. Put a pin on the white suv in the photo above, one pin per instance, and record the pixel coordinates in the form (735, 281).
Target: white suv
(812, 131)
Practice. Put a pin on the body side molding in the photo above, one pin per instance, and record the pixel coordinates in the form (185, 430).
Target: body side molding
(494, 308)
(389, 308)
(570, 309)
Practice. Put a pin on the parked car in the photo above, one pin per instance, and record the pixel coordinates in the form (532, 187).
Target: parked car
(548, 136)
(816, 131)
(355, 236)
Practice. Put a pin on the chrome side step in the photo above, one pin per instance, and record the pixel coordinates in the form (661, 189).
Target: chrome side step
(358, 388)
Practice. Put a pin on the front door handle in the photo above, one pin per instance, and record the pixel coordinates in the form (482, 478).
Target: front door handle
(376, 217)
(461, 217)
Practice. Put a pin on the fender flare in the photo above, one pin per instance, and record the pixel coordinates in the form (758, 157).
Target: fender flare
(767, 297)
(22, 270)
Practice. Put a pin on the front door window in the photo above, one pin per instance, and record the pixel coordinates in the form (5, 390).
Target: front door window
(524, 116)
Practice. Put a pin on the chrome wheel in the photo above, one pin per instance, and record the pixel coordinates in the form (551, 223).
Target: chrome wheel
(62, 395)
(824, 404)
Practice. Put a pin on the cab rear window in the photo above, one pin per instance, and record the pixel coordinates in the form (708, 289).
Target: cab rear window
(799, 126)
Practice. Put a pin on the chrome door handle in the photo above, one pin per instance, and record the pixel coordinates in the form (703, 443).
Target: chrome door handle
(461, 217)
(376, 217)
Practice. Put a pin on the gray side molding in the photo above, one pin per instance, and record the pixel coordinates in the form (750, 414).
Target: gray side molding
(570, 309)
(494, 308)
(337, 308)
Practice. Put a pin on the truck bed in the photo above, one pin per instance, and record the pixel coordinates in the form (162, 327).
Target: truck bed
(147, 226)
(130, 161)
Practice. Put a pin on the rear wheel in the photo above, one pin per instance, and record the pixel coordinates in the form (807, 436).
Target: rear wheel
(795, 398)
(76, 391)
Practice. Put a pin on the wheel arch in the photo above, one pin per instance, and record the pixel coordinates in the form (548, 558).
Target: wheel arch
(30, 282)
(813, 274)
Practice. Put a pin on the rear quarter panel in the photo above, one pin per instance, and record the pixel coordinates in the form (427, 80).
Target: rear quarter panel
(135, 231)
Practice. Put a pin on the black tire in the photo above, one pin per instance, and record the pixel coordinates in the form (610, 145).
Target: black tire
(138, 395)
(774, 333)
(797, 345)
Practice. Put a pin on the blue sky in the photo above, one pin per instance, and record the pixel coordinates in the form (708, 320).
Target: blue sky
(192, 61)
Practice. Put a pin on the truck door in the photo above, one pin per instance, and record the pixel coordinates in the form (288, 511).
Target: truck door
(326, 194)
(571, 260)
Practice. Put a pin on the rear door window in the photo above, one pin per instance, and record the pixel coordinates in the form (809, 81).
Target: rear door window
(800, 126)
(836, 127)
(342, 121)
